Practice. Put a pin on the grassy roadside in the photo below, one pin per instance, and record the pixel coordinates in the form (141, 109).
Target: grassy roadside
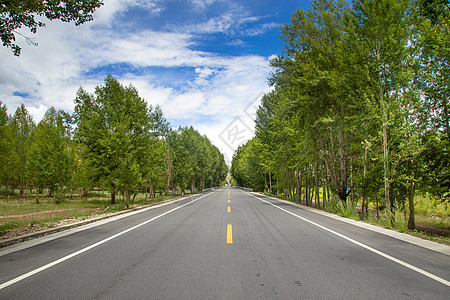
(431, 223)
(38, 212)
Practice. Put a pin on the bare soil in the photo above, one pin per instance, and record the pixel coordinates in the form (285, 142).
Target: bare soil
(31, 228)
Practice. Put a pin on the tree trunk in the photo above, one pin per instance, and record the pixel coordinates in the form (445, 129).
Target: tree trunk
(330, 164)
(324, 183)
(378, 210)
(411, 219)
(316, 177)
(146, 193)
(169, 171)
(26, 188)
(270, 182)
(364, 195)
(342, 165)
(127, 201)
(113, 194)
(306, 188)
(266, 188)
(386, 169)
(21, 187)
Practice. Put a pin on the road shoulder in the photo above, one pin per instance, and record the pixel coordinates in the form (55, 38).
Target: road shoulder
(441, 248)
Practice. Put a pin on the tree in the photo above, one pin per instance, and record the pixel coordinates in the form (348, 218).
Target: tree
(14, 14)
(384, 31)
(433, 80)
(154, 169)
(114, 125)
(6, 145)
(22, 127)
(313, 75)
(196, 163)
(50, 162)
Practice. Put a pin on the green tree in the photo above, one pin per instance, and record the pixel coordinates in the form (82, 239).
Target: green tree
(384, 31)
(49, 161)
(114, 125)
(155, 168)
(6, 146)
(16, 14)
(22, 127)
(314, 79)
(433, 80)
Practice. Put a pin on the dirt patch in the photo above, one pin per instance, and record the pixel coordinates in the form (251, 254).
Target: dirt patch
(31, 228)
(430, 230)
(37, 217)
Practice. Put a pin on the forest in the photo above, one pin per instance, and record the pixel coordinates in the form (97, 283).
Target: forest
(358, 115)
(114, 141)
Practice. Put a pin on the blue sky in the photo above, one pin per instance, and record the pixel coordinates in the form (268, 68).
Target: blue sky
(205, 62)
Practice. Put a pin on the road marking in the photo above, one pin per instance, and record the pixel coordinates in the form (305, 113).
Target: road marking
(229, 209)
(396, 260)
(229, 234)
(228, 201)
(56, 262)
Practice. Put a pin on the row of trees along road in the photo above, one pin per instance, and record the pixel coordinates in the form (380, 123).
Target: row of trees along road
(114, 141)
(360, 106)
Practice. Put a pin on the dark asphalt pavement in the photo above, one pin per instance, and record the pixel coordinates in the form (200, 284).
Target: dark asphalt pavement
(184, 251)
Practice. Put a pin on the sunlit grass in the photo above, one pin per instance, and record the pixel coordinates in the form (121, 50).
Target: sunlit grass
(45, 211)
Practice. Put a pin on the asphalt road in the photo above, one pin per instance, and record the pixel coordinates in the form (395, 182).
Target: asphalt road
(228, 244)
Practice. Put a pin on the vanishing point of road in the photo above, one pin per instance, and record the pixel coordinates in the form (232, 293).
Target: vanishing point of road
(225, 244)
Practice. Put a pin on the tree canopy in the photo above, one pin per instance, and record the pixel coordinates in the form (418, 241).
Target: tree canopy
(359, 107)
(15, 14)
(114, 140)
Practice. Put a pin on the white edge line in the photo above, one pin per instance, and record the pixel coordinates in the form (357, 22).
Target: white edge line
(49, 265)
(441, 248)
(396, 260)
(60, 234)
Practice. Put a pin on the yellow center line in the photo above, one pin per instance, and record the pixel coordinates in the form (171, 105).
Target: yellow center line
(229, 234)
(228, 201)
(229, 209)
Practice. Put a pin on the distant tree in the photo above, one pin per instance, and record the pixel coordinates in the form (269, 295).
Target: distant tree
(6, 145)
(154, 169)
(22, 126)
(14, 14)
(50, 162)
(114, 125)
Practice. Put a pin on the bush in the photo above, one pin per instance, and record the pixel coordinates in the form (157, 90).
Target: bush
(340, 208)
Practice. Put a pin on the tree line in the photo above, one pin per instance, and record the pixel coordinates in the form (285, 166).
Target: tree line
(114, 140)
(359, 109)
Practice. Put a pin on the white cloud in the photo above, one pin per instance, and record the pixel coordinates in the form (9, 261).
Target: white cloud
(107, 13)
(202, 4)
(37, 112)
(221, 89)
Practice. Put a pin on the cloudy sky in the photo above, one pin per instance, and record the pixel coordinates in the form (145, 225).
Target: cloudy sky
(205, 62)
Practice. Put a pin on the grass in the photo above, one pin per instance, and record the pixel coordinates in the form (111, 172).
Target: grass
(432, 216)
(45, 211)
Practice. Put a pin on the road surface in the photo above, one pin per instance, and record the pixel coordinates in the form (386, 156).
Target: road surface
(227, 244)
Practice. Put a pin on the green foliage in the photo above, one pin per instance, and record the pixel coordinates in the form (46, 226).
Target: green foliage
(17, 14)
(6, 146)
(49, 157)
(339, 208)
(114, 141)
(114, 125)
(432, 207)
(197, 163)
(358, 112)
